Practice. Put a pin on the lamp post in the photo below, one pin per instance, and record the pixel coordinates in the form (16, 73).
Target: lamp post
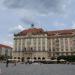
(6, 54)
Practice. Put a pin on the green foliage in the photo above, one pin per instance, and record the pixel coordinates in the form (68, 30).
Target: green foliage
(3, 57)
(67, 58)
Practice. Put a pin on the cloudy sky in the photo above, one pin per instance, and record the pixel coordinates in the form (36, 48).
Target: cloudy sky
(17, 15)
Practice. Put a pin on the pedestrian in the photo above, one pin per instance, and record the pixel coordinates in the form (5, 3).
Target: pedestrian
(15, 62)
(7, 62)
(0, 71)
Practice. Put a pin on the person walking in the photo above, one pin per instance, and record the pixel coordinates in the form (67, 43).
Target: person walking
(14, 62)
(0, 71)
(7, 62)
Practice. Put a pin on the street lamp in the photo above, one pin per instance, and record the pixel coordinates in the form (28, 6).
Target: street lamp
(6, 53)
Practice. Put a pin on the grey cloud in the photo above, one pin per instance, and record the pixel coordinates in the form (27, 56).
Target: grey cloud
(41, 6)
(51, 8)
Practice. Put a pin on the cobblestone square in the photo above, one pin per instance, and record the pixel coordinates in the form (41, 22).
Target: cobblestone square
(37, 69)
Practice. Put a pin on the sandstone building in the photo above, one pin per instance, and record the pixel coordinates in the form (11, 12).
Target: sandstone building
(5, 50)
(37, 44)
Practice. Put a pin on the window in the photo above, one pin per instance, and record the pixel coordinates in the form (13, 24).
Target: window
(39, 58)
(39, 49)
(34, 39)
(15, 42)
(31, 49)
(34, 58)
(57, 40)
(43, 48)
(23, 42)
(49, 49)
(14, 57)
(43, 58)
(15, 48)
(24, 49)
(71, 49)
(22, 59)
(28, 57)
(53, 49)
(34, 42)
(29, 41)
(19, 48)
(43, 41)
(18, 57)
(57, 54)
(66, 49)
(39, 42)
(61, 49)
(34, 48)
(57, 49)
(62, 54)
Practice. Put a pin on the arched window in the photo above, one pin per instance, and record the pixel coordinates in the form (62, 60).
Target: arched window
(14, 57)
(18, 57)
(34, 58)
(39, 58)
(28, 57)
(22, 59)
(43, 58)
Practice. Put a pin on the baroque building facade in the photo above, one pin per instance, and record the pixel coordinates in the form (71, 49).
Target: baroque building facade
(5, 50)
(37, 44)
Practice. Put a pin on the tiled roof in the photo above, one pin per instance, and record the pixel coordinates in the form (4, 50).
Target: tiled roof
(61, 32)
(41, 31)
(32, 31)
(4, 46)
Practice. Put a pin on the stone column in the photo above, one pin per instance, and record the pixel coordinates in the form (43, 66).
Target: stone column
(41, 44)
(64, 44)
(52, 52)
(69, 44)
(46, 44)
(25, 43)
(51, 45)
(59, 44)
(21, 45)
(37, 44)
(32, 43)
(17, 44)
